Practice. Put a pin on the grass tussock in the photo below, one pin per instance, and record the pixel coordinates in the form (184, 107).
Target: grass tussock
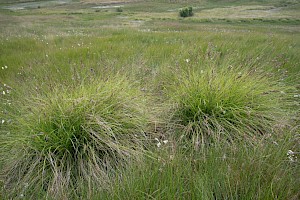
(215, 104)
(72, 139)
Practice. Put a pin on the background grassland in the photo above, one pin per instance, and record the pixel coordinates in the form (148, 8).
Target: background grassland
(58, 49)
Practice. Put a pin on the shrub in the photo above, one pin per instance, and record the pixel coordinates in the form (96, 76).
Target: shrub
(72, 139)
(119, 9)
(186, 12)
(225, 105)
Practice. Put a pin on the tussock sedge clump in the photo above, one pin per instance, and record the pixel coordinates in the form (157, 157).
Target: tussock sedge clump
(74, 140)
(221, 104)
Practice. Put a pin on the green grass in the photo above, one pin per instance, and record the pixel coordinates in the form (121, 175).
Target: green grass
(74, 136)
(225, 172)
(141, 104)
(225, 104)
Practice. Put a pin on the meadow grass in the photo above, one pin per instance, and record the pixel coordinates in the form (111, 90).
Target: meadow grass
(224, 172)
(141, 104)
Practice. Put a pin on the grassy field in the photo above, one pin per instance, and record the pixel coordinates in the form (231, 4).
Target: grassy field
(128, 100)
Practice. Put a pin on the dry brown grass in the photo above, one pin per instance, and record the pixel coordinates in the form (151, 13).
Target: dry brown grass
(109, 1)
(246, 12)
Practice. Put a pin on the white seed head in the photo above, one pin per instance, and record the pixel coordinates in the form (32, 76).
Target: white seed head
(290, 152)
(158, 144)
